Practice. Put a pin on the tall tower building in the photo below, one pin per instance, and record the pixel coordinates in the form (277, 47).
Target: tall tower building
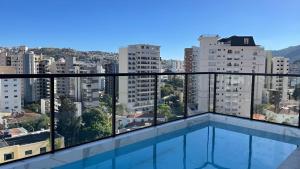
(189, 66)
(85, 89)
(279, 84)
(15, 57)
(137, 92)
(36, 88)
(62, 84)
(111, 68)
(236, 54)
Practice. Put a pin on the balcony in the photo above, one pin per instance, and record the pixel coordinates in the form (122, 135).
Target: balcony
(169, 103)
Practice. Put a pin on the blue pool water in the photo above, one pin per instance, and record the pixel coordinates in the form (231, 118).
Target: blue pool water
(214, 146)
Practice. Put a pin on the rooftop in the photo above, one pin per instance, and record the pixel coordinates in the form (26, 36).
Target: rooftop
(239, 41)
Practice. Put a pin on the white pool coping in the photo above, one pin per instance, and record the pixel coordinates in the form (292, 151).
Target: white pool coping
(59, 158)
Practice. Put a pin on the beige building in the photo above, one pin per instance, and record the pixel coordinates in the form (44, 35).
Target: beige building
(12, 148)
(236, 54)
(137, 92)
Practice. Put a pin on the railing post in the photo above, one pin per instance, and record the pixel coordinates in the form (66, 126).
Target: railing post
(52, 115)
(252, 96)
(114, 107)
(215, 92)
(155, 100)
(208, 108)
(185, 95)
(299, 116)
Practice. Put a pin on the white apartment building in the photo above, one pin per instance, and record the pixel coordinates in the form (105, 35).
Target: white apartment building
(85, 89)
(236, 54)
(101, 79)
(137, 92)
(14, 57)
(175, 65)
(62, 84)
(280, 65)
(10, 92)
(36, 88)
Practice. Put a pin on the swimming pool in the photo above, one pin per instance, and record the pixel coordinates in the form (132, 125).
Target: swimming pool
(213, 146)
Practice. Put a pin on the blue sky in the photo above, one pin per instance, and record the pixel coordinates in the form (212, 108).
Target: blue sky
(174, 24)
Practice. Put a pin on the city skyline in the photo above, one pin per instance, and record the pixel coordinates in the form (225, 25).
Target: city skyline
(89, 26)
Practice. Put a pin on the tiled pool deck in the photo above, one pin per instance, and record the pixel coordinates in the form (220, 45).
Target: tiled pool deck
(77, 153)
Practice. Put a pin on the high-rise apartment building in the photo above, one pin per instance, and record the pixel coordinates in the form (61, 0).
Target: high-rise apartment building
(10, 92)
(137, 92)
(85, 89)
(236, 54)
(36, 88)
(15, 57)
(101, 79)
(188, 59)
(62, 84)
(111, 68)
(278, 84)
(189, 66)
(175, 65)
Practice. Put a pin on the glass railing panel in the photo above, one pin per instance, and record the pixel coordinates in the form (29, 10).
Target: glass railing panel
(170, 103)
(83, 109)
(24, 118)
(198, 93)
(280, 99)
(233, 95)
(135, 105)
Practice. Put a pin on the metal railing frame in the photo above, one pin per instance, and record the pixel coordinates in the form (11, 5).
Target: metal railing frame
(156, 77)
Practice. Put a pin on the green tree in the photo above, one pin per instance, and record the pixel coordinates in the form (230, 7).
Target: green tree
(106, 100)
(176, 82)
(34, 107)
(166, 90)
(96, 124)
(68, 124)
(120, 109)
(276, 99)
(260, 109)
(165, 110)
(35, 124)
(105, 104)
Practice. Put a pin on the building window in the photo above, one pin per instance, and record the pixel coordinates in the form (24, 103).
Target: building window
(246, 41)
(43, 150)
(28, 152)
(229, 51)
(8, 156)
